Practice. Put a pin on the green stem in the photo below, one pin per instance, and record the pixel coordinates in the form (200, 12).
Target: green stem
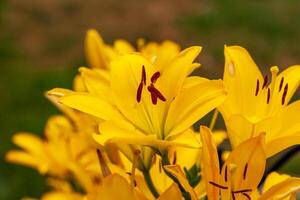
(150, 183)
(214, 119)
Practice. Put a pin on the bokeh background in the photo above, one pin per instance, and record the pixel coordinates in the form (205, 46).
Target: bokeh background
(41, 46)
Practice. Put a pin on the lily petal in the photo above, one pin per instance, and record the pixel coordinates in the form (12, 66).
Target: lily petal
(240, 77)
(123, 132)
(95, 50)
(210, 163)
(193, 103)
(172, 192)
(282, 189)
(92, 105)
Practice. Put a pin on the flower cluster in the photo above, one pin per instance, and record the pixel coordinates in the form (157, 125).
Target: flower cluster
(126, 129)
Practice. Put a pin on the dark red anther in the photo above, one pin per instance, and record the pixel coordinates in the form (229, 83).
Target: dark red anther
(281, 84)
(245, 171)
(155, 91)
(284, 94)
(153, 98)
(257, 87)
(265, 82)
(143, 75)
(154, 77)
(268, 97)
(139, 92)
(225, 174)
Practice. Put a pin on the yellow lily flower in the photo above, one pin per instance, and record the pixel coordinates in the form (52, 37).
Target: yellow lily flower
(149, 107)
(255, 104)
(99, 54)
(53, 154)
(241, 172)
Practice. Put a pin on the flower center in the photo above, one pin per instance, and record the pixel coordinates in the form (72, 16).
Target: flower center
(244, 192)
(267, 86)
(154, 92)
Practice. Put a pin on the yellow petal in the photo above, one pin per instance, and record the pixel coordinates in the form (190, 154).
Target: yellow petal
(193, 81)
(240, 77)
(96, 81)
(175, 73)
(123, 132)
(114, 183)
(290, 122)
(95, 50)
(185, 157)
(78, 84)
(273, 179)
(292, 78)
(176, 171)
(172, 192)
(239, 129)
(92, 105)
(122, 46)
(210, 163)
(29, 142)
(275, 146)
(161, 54)
(192, 104)
(59, 195)
(282, 189)
(27, 159)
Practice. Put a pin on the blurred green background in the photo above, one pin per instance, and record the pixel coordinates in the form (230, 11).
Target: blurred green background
(41, 46)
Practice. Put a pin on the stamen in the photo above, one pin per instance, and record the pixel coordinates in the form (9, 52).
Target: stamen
(104, 168)
(257, 87)
(154, 77)
(139, 92)
(247, 196)
(232, 194)
(242, 191)
(281, 84)
(225, 174)
(245, 171)
(265, 82)
(143, 75)
(217, 185)
(155, 91)
(153, 98)
(268, 97)
(284, 94)
(174, 158)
